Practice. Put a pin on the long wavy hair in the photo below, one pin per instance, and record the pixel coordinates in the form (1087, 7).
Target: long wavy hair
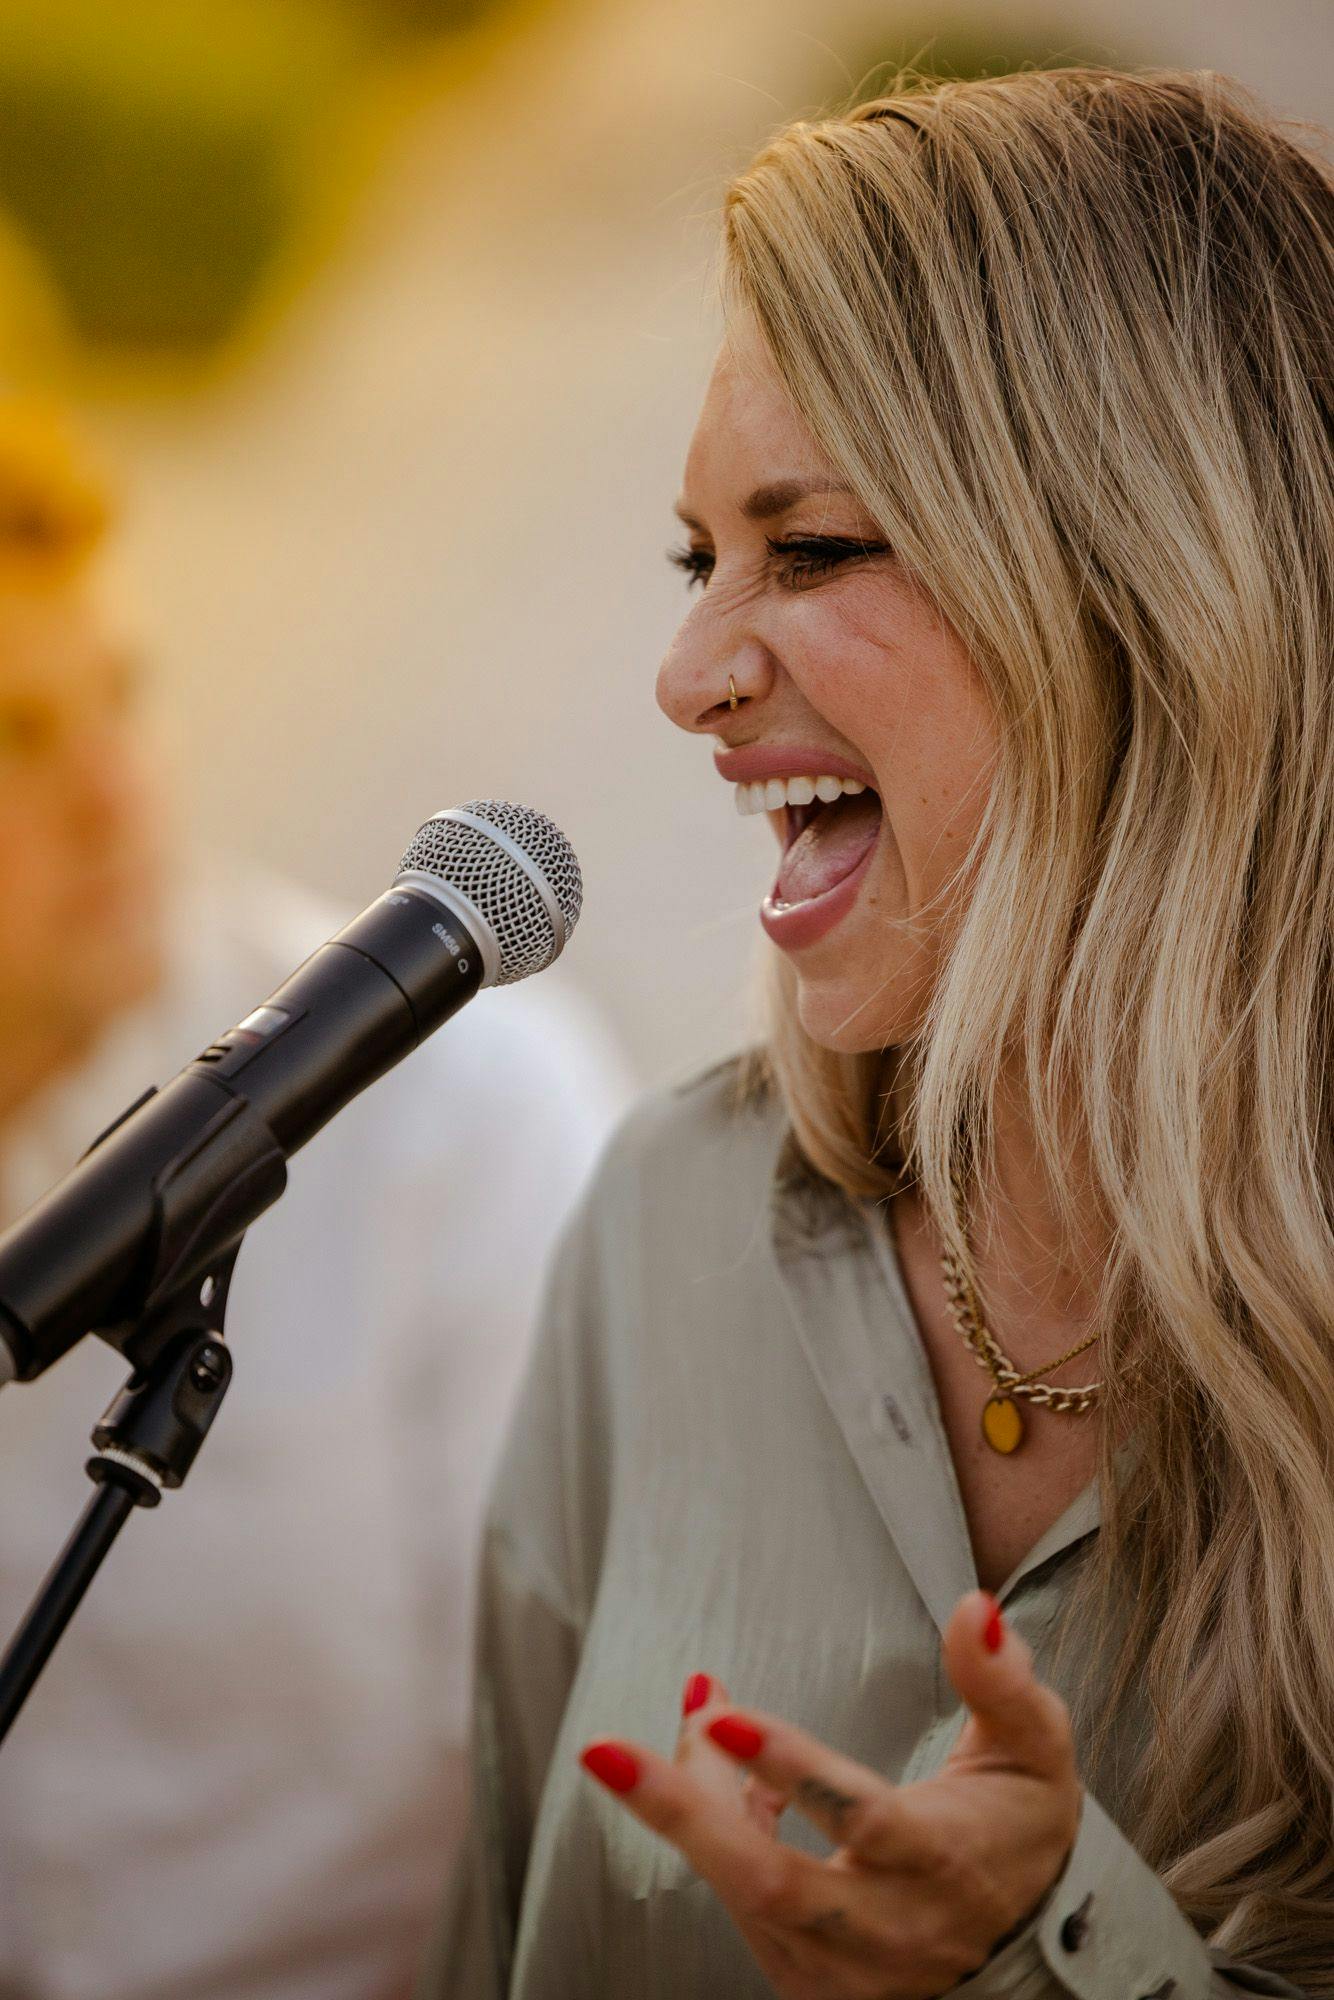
(1069, 337)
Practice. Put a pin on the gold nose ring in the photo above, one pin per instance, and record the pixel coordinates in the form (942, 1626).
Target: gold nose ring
(733, 700)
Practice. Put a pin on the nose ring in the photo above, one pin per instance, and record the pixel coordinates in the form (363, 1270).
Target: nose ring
(733, 701)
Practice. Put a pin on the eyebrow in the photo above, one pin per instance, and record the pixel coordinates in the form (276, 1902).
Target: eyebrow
(772, 499)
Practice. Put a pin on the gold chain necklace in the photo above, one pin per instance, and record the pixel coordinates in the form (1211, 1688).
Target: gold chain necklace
(1002, 1420)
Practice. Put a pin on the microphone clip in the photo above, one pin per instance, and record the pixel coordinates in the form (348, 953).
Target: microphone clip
(145, 1444)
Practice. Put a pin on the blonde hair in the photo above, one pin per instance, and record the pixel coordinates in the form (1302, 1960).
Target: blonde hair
(1068, 335)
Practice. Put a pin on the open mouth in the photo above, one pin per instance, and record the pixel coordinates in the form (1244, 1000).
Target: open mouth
(824, 842)
(828, 823)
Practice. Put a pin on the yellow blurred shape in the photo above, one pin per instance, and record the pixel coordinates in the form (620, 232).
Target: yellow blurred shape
(175, 169)
(55, 505)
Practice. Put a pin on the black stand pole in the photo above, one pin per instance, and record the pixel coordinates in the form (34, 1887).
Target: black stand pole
(145, 1444)
(61, 1595)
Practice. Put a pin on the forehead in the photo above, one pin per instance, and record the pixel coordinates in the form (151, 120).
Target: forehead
(747, 430)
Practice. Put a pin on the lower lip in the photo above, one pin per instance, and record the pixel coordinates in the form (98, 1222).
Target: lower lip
(801, 924)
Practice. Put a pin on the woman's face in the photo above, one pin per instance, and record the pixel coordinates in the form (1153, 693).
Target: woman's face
(844, 670)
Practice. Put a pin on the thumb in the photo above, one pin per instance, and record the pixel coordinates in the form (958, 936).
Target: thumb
(1013, 1715)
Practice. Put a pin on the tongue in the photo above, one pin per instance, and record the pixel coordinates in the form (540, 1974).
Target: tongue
(829, 848)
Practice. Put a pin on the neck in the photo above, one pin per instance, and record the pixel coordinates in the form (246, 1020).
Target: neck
(1031, 1251)
(1037, 1268)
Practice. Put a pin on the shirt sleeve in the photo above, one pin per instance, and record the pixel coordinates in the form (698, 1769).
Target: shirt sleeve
(528, 1648)
(540, 1557)
(1109, 1930)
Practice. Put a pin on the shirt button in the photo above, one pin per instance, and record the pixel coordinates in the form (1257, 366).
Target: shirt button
(1076, 1926)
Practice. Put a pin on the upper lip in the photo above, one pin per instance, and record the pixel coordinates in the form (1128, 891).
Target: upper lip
(781, 760)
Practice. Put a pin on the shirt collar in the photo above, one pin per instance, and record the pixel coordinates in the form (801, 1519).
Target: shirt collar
(840, 1275)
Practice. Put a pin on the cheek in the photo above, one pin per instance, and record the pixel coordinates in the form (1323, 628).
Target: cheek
(109, 777)
(30, 842)
(868, 666)
(892, 677)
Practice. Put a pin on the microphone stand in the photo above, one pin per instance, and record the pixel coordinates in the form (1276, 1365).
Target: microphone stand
(144, 1445)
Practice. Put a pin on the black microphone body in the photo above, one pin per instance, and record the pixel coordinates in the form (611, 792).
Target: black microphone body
(177, 1180)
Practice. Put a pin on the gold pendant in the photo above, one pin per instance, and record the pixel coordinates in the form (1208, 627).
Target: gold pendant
(1002, 1424)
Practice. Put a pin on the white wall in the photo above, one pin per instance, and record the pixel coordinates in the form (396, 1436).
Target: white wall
(414, 555)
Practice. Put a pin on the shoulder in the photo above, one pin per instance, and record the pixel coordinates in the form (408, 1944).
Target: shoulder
(690, 1153)
(679, 1199)
(723, 1101)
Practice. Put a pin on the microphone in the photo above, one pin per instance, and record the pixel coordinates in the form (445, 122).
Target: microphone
(486, 894)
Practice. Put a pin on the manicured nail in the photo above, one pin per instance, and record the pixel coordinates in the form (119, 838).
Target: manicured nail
(615, 1767)
(698, 1689)
(737, 1736)
(993, 1632)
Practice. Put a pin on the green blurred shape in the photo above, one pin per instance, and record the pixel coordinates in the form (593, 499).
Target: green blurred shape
(160, 156)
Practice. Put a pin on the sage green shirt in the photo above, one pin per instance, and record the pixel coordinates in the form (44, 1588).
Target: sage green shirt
(729, 1457)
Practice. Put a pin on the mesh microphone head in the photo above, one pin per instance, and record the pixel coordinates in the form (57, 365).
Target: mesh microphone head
(514, 877)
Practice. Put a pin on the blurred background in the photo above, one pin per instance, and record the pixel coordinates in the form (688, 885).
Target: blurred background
(390, 318)
(360, 341)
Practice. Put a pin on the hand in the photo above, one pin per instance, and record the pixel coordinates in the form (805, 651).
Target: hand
(927, 1878)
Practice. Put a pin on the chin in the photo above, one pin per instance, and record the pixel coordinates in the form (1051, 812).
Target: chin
(878, 1007)
(844, 1021)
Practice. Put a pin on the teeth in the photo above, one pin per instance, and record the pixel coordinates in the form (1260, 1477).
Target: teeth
(772, 794)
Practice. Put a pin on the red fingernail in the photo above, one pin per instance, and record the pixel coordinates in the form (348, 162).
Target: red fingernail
(616, 1768)
(698, 1689)
(737, 1736)
(993, 1632)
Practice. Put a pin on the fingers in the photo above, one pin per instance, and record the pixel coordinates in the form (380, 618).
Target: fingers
(758, 1878)
(858, 1809)
(1016, 1724)
(703, 1698)
(992, 1669)
(907, 1855)
(699, 1691)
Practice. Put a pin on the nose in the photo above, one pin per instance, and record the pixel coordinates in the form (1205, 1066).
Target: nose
(709, 670)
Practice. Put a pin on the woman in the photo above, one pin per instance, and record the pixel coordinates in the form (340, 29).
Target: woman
(1012, 509)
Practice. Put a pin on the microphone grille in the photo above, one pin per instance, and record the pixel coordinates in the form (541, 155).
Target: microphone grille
(514, 868)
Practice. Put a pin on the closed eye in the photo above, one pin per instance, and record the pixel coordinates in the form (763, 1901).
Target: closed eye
(805, 558)
(696, 563)
(796, 559)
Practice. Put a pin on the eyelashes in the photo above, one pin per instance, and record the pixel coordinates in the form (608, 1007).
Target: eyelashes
(797, 559)
(695, 564)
